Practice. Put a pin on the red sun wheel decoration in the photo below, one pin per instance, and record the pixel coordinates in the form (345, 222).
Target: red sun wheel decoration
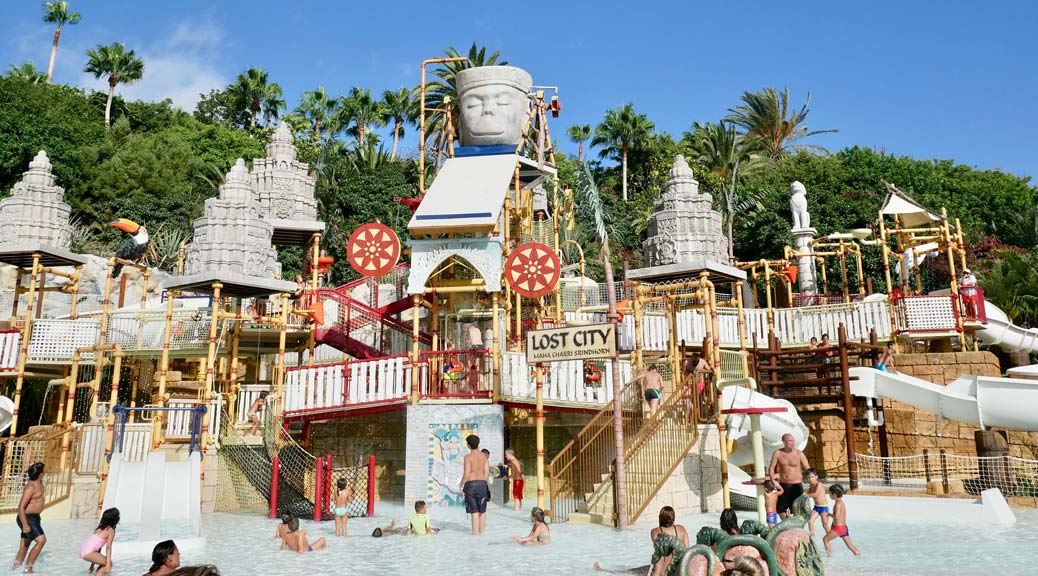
(373, 249)
(532, 269)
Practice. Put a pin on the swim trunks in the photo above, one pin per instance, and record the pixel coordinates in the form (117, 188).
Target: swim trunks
(477, 494)
(790, 493)
(652, 394)
(881, 367)
(309, 548)
(822, 509)
(773, 518)
(841, 531)
(35, 530)
(518, 485)
(340, 511)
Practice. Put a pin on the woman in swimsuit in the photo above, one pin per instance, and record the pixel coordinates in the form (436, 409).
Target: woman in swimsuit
(540, 533)
(165, 559)
(342, 499)
(102, 537)
(669, 543)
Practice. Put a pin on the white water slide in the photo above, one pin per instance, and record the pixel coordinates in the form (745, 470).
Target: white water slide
(1006, 335)
(740, 394)
(979, 400)
(6, 412)
(154, 492)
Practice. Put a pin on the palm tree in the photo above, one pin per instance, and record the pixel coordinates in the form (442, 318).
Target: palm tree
(621, 130)
(769, 124)
(58, 14)
(444, 88)
(579, 133)
(120, 65)
(592, 202)
(400, 107)
(253, 91)
(720, 149)
(358, 112)
(27, 73)
(317, 108)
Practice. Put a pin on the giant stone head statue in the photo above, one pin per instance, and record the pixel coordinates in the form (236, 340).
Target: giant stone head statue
(494, 103)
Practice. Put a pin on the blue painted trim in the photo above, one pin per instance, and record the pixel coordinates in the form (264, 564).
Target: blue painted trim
(453, 216)
(495, 150)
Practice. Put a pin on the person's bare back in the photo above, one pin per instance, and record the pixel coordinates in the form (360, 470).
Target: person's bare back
(34, 490)
(476, 466)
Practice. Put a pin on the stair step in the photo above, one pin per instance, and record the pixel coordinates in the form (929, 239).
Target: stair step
(582, 518)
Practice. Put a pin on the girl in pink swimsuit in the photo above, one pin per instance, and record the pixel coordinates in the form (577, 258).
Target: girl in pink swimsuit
(102, 537)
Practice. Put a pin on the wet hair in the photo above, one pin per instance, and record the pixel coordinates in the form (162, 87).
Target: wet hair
(745, 566)
(825, 336)
(293, 524)
(652, 367)
(162, 551)
(485, 451)
(473, 441)
(666, 517)
(377, 532)
(206, 570)
(810, 471)
(35, 471)
(538, 514)
(341, 484)
(770, 486)
(509, 452)
(264, 394)
(814, 339)
(419, 505)
(286, 518)
(729, 521)
(836, 490)
(109, 519)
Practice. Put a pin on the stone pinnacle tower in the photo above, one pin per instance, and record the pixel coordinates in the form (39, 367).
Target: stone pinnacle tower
(685, 228)
(36, 211)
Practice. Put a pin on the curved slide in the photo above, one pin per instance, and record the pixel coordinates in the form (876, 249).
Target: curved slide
(983, 401)
(1006, 335)
(740, 394)
(6, 412)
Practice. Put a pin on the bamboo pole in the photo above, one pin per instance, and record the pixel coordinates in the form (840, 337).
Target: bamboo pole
(636, 305)
(23, 353)
(495, 347)
(210, 365)
(416, 302)
(540, 433)
(279, 366)
(167, 337)
(949, 241)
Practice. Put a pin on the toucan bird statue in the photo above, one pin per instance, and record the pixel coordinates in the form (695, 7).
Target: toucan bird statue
(134, 247)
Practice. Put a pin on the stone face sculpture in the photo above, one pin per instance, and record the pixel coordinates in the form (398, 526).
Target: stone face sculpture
(232, 236)
(798, 206)
(36, 211)
(494, 102)
(684, 227)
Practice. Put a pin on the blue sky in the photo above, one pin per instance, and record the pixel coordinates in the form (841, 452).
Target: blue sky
(948, 79)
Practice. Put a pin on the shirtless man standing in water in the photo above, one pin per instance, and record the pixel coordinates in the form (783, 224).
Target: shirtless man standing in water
(787, 468)
(28, 518)
(474, 485)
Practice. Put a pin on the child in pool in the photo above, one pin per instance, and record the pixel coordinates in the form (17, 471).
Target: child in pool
(296, 541)
(419, 524)
(816, 491)
(283, 527)
(254, 411)
(540, 533)
(839, 527)
(390, 530)
(772, 491)
(102, 537)
(342, 499)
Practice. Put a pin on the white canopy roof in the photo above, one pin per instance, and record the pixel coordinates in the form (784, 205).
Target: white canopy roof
(912, 213)
(467, 195)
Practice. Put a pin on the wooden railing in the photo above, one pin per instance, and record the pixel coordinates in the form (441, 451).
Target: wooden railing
(658, 448)
(44, 445)
(456, 374)
(581, 465)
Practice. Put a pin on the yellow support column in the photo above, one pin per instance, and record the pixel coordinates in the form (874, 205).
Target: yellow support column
(495, 348)
(540, 434)
(167, 335)
(23, 353)
(215, 314)
(232, 386)
(279, 365)
(416, 351)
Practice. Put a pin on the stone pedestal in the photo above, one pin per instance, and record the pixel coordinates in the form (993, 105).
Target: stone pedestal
(232, 236)
(36, 212)
(807, 274)
(685, 227)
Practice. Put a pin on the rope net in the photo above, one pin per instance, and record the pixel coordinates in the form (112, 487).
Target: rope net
(969, 474)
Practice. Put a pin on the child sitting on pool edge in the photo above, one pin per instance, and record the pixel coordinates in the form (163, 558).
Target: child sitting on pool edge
(342, 500)
(419, 524)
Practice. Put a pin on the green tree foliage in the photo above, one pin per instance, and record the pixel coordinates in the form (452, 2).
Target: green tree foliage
(1012, 284)
(770, 126)
(221, 107)
(254, 93)
(579, 134)
(401, 108)
(119, 65)
(27, 72)
(59, 14)
(621, 131)
(358, 113)
(318, 109)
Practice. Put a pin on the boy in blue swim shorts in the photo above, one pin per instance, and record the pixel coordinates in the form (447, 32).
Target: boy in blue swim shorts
(817, 493)
(474, 485)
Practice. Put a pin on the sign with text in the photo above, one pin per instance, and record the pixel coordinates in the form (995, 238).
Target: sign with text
(575, 343)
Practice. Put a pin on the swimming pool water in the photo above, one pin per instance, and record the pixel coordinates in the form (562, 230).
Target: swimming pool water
(243, 546)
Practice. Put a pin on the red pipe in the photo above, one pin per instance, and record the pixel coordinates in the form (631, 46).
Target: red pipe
(275, 476)
(371, 485)
(318, 487)
(328, 485)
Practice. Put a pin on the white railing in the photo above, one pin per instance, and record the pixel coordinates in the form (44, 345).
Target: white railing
(145, 329)
(55, 341)
(179, 422)
(136, 441)
(563, 382)
(90, 450)
(343, 384)
(10, 346)
(247, 394)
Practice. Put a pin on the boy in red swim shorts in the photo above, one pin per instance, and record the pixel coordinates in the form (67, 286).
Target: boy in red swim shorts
(515, 471)
(839, 527)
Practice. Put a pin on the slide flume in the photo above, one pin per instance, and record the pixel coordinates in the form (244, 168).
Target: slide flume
(1000, 332)
(983, 401)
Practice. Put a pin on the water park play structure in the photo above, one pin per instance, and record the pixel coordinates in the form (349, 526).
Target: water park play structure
(157, 375)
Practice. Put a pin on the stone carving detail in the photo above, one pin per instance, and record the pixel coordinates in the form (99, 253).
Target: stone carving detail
(232, 236)
(484, 254)
(798, 206)
(36, 211)
(284, 188)
(494, 104)
(684, 227)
